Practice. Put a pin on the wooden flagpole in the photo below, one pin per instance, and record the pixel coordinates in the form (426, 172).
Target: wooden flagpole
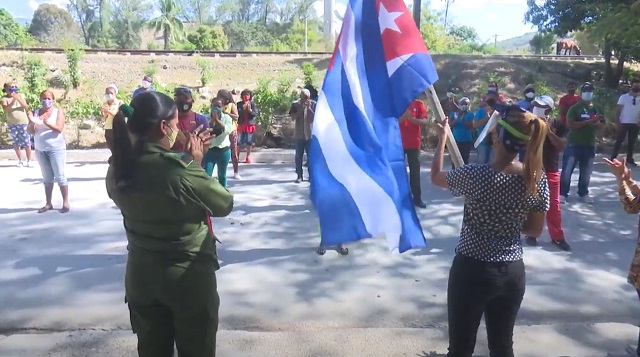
(434, 103)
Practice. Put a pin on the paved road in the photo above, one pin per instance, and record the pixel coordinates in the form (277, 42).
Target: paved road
(64, 273)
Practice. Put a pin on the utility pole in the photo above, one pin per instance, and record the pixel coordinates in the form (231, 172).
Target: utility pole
(446, 11)
(306, 37)
(417, 6)
(495, 40)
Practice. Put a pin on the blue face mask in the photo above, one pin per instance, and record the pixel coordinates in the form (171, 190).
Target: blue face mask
(46, 103)
(587, 95)
(464, 107)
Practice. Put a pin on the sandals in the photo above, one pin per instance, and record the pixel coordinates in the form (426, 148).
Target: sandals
(64, 209)
(321, 250)
(342, 250)
(45, 208)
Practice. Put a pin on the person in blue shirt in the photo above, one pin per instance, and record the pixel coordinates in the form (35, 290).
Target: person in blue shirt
(461, 122)
(145, 85)
(481, 118)
(529, 94)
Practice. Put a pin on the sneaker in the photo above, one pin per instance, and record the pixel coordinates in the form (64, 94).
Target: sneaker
(237, 176)
(299, 179)
(531, 241)
(20, 164)
(28, 164)
(586, 199)
(564, 199)
(247, 160)
(562, 244)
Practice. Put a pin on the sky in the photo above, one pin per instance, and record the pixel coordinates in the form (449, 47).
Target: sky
(504, 18)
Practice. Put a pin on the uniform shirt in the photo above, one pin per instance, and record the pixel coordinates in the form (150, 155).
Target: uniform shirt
(550, 153)
(586, 135)
(630, 109)
(165, 211)
(496, 205)
(566, 102)
(461, 131)
(412, 133)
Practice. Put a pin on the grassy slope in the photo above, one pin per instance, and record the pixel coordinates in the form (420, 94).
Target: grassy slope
(466, 72)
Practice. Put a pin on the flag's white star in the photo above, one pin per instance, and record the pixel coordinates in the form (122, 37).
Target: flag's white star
(387, 19)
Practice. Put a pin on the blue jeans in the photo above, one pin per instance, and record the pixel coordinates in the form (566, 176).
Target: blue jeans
(484, 154)
(219, 157)
(302, 146)
(581, 156)
(52, 166)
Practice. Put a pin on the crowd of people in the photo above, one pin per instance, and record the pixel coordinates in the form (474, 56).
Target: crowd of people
(164, 156)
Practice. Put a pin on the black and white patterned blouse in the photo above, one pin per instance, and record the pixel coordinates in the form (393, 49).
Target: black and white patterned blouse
(496, 206)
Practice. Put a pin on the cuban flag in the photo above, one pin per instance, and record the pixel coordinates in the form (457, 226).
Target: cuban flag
(359, 183)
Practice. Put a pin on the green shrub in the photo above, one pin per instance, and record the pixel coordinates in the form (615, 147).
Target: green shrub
(310, 73)
(272, 101)
(205, 68)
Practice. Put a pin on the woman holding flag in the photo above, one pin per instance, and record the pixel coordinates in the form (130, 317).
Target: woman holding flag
(502, 200)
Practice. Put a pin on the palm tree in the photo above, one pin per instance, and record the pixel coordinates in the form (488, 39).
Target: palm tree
(168, 22)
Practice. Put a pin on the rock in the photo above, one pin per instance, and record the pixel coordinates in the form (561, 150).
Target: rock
(87, 125)
(165, 66)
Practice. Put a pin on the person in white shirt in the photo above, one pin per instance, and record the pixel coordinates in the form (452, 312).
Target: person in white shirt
(627, 119)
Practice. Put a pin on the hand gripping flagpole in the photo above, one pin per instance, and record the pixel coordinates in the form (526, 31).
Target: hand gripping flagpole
(434, 103)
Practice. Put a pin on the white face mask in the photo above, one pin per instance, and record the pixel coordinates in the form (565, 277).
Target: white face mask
(464, 107)
(539, 112)
(530, 95)
(449, 95)
(145, 84)
(587, 96)
(109, 96)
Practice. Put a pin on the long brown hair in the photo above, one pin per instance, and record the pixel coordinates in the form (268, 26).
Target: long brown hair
(533, 167)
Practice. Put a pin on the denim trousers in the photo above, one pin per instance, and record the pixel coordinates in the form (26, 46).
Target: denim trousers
(581, 156)
(52, 165)
(217, 157)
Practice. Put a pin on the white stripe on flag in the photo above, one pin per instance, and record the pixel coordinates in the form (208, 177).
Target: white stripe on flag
(377, 209)
(349, 54)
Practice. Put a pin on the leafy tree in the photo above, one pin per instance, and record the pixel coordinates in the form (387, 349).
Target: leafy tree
(128, 22)
(198, 11)
(607, 20)
(464, 34)
(434, 35)
(294, 38)
(206, 38)
(542, 42)
(168, 22)
(11, 33)
(243, 35)
(52, 25)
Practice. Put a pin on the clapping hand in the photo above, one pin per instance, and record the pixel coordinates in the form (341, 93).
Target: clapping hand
(443, 128)
(619, 169)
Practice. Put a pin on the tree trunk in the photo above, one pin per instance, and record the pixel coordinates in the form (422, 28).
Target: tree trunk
(167, 39)
(612, 75)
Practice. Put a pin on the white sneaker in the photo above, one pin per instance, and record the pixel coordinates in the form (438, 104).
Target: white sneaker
(563, 199)
(28, 164)
(586, 199)
(237, 176)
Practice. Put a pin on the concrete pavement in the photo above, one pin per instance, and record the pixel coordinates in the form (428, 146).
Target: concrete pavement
(61, 276)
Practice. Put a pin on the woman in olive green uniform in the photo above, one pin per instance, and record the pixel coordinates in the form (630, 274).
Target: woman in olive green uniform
(165, 199)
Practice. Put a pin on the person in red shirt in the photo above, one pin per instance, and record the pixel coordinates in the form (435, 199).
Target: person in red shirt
(567, 101)
(411, 123)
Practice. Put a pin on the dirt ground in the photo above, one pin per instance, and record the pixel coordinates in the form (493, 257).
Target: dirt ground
(470, 73)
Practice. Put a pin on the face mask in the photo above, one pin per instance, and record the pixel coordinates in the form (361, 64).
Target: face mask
(635, 90)
(493, 89)
(46, 103)
(184, 107)
(145, 84)
(217, 110)
(109, 96)
(587, 96)
(13, 90)
(246, 98)
(464, 107)
(530, 95)
(172, 137)
(539, 112)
